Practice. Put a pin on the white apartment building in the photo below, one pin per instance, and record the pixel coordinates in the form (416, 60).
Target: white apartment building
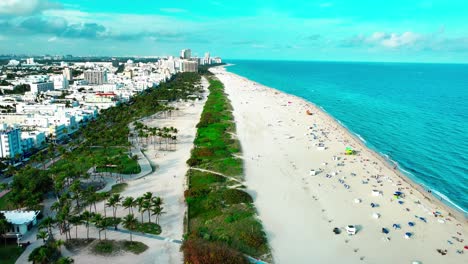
(60, 82)
(68, 73)
(95, 77)
(38, 138)
(41, 87)
(10, 142)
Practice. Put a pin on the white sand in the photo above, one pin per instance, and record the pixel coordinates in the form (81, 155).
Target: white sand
(299, 211)
(168, 182)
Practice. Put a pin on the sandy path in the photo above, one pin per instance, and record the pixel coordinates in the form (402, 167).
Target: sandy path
(299, 211)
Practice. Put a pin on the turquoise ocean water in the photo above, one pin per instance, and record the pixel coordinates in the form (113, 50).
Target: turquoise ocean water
(413, 114)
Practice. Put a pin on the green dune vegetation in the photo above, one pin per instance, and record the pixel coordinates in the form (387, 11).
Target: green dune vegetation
(221, 215)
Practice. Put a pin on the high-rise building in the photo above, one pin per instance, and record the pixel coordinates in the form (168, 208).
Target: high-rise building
(95, 77)
(30, 61)
(41, 87)
(186, 54)
(189, 66)
(68, 73)
(10, 142)
(60, 82)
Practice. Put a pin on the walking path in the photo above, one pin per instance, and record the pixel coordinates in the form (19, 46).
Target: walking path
(217, 173)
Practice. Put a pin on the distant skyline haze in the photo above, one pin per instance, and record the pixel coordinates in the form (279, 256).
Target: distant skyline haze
(337, 30)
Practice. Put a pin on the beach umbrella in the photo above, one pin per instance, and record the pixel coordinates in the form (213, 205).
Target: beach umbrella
(408, 235)
(396, 226)
(410, 223)
(385, 230)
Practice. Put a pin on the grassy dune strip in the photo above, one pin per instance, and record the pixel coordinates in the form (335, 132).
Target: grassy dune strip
(221, 217)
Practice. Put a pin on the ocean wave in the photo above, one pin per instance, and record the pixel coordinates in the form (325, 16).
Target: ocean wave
(406, 172)
(361, 138)
(447, 200)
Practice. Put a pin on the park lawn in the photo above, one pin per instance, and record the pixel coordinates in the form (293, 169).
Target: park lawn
(219, 211)
(124, 163)
(84, 159)
(5, 203)
(10, 253)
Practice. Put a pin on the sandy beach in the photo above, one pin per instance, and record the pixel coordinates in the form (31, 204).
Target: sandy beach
(168, 182)
(282, 144)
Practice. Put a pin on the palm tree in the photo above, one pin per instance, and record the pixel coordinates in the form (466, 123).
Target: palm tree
(87, 217)
(98, 221)
(128, 203)
(39, 255)
(130, 222)
(148, 196)
(156, 208)
(147, 208)
(42, 235)
(139, 201)
(48, 222)
(114, 202)
(57, 244)
(76, 220)
(91, 199)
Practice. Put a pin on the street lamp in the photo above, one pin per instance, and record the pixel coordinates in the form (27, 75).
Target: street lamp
(18, 239)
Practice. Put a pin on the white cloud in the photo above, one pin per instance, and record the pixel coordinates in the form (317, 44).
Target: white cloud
(400, 40)
(26, 7)
(387, 40)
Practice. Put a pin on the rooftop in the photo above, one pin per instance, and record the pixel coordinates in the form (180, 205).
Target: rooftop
(20, 217)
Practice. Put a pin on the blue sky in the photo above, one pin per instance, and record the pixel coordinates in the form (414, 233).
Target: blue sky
(360, 30)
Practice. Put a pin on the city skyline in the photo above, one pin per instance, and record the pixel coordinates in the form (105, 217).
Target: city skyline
(423, 31)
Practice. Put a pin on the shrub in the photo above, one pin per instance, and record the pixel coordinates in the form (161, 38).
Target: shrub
(196, 192)
(199, 251)
(254, 240)
(104, 247)
(203, 152)
(235, 196)
(193, 162)
(135, 247)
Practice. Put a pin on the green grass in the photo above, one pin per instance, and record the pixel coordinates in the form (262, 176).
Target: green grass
(118, 188)
(105, 247)
(10, 253)
(148, 228)
(135, 247)
(5, 203)
(124, 163)
(108, 247)
(217, 211)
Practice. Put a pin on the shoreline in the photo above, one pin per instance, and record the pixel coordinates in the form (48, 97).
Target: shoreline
(295, 164)
(453, 211)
